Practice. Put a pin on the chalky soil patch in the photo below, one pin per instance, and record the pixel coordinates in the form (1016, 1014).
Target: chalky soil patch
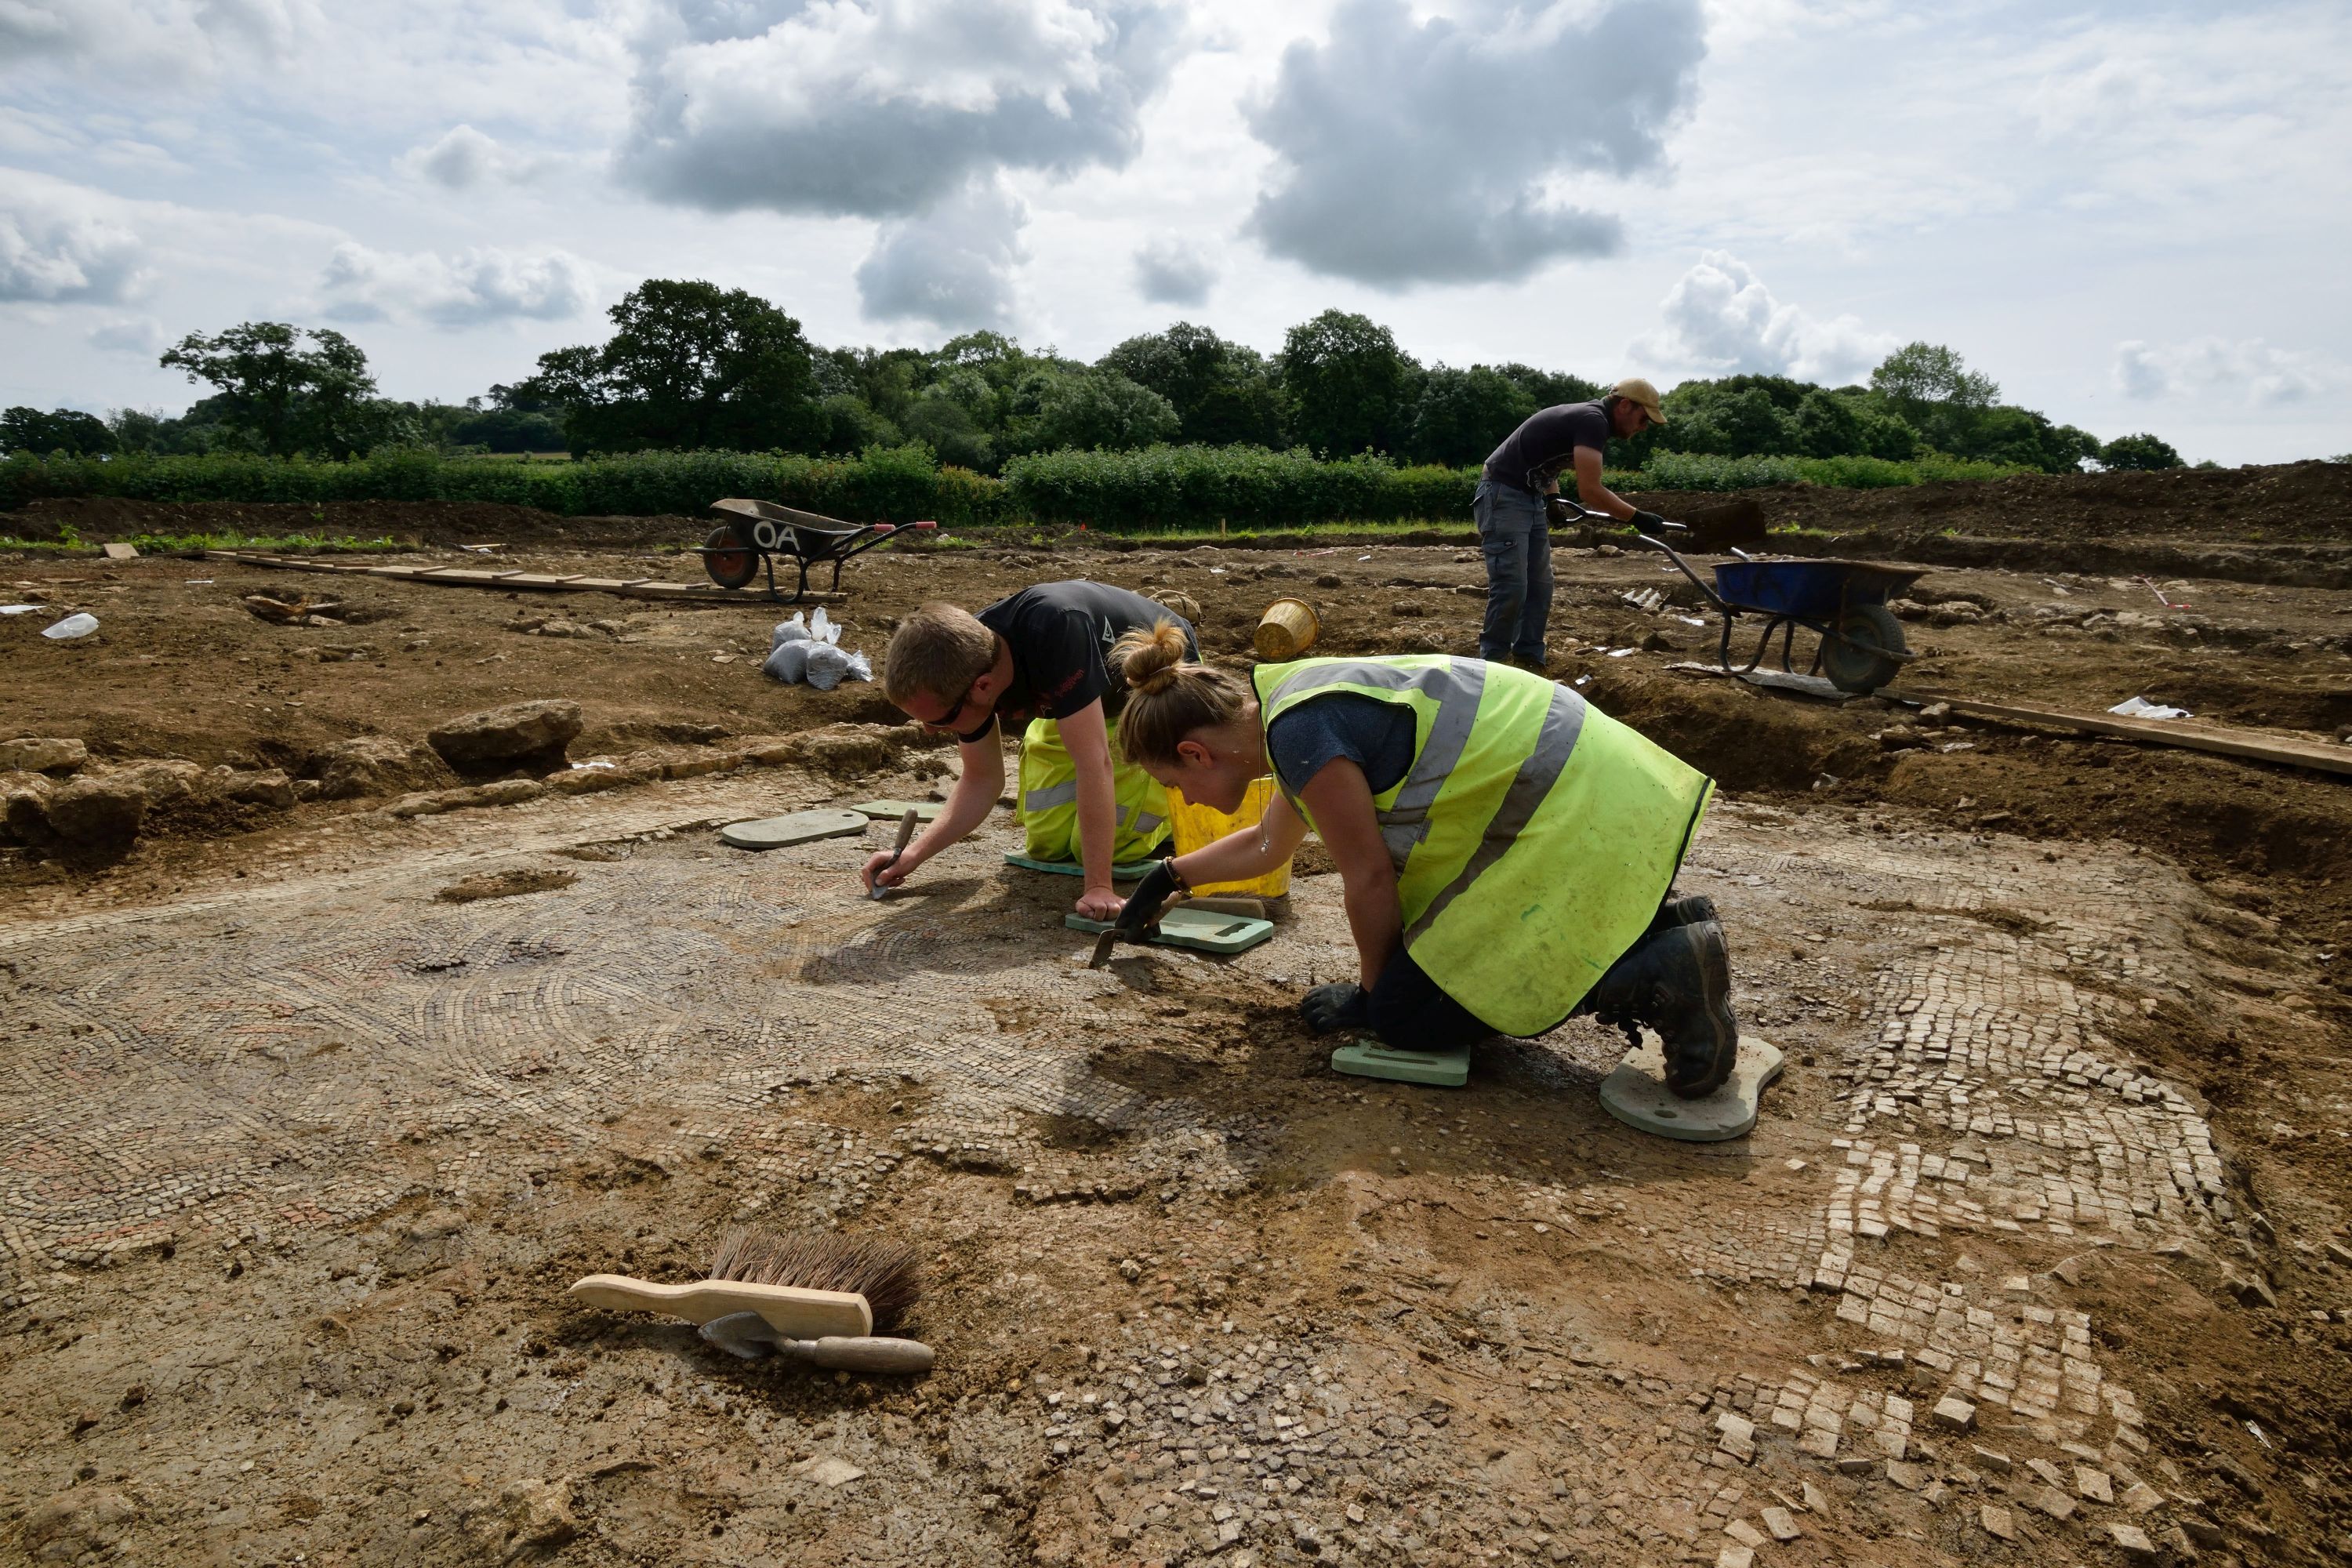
(305, 1168)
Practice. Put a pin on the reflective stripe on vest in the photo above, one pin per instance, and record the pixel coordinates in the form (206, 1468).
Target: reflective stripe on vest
(1134, 819)
(1562, 722)
(1457, 688)
(1046, 799)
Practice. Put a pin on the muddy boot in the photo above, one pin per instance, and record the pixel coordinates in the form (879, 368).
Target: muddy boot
(1688, 911)
(1677, 981)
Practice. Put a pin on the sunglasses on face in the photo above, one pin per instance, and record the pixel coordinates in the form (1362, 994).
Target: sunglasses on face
(945, 725)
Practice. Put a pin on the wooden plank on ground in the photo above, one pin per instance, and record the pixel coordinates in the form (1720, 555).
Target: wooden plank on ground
(543, 581)
(2288, 751)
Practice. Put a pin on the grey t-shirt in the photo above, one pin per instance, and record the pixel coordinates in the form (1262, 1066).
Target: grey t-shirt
(1532, 455)
(1376, 736)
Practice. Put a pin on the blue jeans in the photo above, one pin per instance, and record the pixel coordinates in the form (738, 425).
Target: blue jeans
(1516, 535)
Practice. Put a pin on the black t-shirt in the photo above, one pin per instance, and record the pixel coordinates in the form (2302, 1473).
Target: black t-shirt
(1376, 736)
(1061, 636)
(1532, 456)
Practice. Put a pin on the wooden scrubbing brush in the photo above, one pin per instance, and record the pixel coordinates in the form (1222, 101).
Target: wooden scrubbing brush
(811, 1294)
(888, 1274)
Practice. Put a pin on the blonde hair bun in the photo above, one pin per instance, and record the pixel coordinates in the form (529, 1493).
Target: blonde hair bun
(1149, 659)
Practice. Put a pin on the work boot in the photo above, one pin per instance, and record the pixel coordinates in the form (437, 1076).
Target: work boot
(1676, 980)
(1688, 911)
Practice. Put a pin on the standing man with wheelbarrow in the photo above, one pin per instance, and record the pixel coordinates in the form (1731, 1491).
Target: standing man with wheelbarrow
(1040, 658)
(1513, 528)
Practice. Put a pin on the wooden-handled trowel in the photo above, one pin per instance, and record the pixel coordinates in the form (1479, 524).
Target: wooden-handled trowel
(905, 835)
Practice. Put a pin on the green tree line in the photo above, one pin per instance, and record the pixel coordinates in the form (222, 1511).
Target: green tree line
(1153, 488)
(689, 366)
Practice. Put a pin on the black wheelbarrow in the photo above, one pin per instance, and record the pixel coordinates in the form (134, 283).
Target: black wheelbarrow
(1844, 602)
(756, 532)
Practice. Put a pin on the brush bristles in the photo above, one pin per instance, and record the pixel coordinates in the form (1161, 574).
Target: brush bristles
(887, 1273)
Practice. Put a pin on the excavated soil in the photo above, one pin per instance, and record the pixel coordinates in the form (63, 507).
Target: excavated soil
(2038, 1250)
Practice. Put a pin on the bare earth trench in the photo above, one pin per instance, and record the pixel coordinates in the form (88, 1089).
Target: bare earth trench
(296, 1161)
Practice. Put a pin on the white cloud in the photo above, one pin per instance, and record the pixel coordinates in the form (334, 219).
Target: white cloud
(952, 265)
(140, 335)
(879, 108)
(905, 110)
(178, 38)
(62, 243)
(2218, 368)
(1720, 319)
(1440, 151)
(464, 158)
(483, 284)
(1170, 270)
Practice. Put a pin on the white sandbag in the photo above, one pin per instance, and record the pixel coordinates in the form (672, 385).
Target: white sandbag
(827, 666)
(788, 661)
(793, 630)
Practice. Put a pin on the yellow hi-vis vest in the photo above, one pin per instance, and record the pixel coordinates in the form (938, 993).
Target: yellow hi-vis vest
(1533, 836)
(1049, 799)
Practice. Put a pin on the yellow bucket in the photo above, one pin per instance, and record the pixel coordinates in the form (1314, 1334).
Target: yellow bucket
(1197, 826)
(1288, 629)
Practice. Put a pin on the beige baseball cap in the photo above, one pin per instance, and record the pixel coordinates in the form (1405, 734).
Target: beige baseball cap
(1641, 394)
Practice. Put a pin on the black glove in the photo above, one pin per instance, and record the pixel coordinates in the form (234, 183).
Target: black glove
(1338, 1006)
(1648, 521)
(1141, 910)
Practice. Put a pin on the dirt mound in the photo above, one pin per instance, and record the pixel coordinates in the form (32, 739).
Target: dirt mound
(2289, 503)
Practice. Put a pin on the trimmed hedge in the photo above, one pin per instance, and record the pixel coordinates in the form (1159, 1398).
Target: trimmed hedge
(1156, 488)
(886, 484)
(1250, 486)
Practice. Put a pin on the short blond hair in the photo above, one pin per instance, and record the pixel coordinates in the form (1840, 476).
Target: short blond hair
(942, 649)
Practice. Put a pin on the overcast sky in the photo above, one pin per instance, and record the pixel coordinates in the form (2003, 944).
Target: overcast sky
(2132, 216)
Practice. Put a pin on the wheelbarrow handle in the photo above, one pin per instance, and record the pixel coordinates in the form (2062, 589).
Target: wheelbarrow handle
(894, 527)
(1684, 567)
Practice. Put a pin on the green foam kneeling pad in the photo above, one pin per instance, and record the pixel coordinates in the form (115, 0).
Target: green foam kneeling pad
(1198, 929)
(1130, 872)
(1370, 1059)
(1635, 1093)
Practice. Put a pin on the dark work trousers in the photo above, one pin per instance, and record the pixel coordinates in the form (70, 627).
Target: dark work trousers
(1516, 535)
(1408, 1011)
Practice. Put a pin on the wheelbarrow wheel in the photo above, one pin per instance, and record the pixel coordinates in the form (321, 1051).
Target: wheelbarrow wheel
(731, 562)
(1859, 664)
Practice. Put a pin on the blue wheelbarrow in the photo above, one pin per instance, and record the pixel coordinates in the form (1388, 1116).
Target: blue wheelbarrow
(1844, 602)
